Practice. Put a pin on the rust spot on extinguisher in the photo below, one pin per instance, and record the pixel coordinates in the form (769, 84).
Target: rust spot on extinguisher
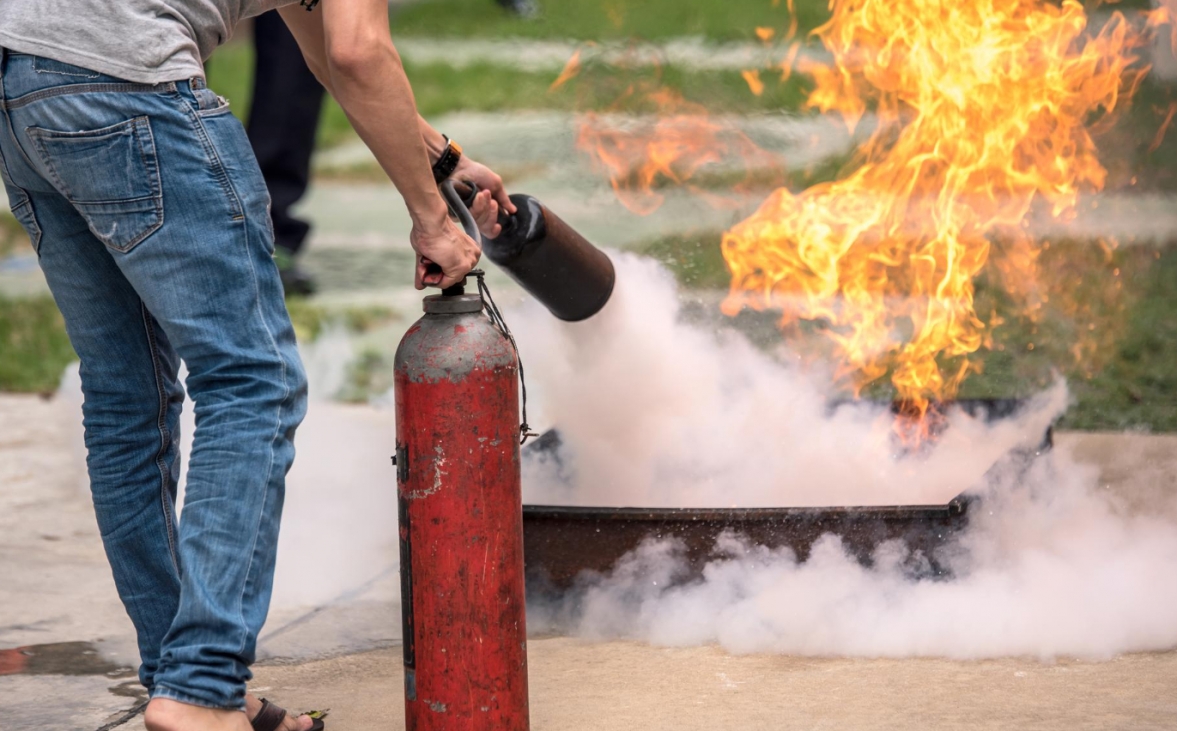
(438, 462)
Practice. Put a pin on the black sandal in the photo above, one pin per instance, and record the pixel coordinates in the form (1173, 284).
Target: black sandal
(270, 717)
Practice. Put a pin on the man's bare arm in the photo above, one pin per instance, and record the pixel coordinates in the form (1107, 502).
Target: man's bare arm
(348, 47)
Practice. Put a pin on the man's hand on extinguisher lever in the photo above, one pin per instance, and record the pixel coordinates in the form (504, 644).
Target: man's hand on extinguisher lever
(445, 254)
(491, 198)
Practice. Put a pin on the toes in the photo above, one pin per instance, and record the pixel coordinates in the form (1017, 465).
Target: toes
(302, 723)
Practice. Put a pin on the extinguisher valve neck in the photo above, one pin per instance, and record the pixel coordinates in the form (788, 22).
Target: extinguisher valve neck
(440, 304)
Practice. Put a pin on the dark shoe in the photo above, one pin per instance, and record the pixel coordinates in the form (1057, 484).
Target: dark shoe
(295, 281)
(522, 8)
(270, 717)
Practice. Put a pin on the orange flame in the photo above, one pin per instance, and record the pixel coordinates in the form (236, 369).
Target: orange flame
(1160, 136)
(982, 112)
(570, 71)
(641, 154)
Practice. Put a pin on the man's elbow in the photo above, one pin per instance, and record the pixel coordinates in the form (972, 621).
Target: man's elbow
(360, 59)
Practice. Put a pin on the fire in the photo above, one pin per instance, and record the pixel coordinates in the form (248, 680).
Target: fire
(983, 111)
(980, 113)
(670, 147)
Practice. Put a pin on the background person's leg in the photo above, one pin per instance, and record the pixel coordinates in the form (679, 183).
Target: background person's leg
(283, 119)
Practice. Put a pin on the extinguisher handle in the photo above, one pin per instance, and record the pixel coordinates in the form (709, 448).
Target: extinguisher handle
(458, 208)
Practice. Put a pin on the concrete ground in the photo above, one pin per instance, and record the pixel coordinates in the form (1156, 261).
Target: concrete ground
(336, 646)
(333, 635)
(578, 686)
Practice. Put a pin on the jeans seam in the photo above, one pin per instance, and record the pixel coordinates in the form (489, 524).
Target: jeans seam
(237, 208)
(273, 437)
(164, 437)
(128, 87)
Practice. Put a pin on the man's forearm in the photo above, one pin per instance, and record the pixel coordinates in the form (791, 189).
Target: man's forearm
(434, 141)
(379, 102)
(364, 73)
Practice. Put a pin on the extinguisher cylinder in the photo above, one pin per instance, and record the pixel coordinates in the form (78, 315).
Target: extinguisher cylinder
(461, 529)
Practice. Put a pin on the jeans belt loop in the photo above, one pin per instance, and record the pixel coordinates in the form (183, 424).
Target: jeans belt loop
(196, 82)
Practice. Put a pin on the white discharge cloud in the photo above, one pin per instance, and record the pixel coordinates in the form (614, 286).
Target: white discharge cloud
(656, 412)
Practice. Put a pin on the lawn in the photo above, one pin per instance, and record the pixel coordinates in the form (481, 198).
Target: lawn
(487, 87)
(12, 236)
(483, 87)
(33, 345)
(730, 20)
(1118, 307)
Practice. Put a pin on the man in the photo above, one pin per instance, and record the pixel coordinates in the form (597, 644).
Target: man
(149, 215)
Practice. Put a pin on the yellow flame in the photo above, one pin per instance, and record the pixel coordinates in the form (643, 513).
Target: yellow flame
(752, 77)
(978, 112)
(981, 110)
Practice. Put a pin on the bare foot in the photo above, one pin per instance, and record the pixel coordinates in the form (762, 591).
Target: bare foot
(164, 714)
(253, 705)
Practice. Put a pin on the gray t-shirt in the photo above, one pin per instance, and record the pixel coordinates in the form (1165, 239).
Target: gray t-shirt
(148, 41)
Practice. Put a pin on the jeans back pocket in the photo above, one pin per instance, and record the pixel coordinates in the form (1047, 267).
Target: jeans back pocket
(109, 175)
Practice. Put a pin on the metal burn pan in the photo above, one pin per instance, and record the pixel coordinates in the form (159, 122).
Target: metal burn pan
(561, 543)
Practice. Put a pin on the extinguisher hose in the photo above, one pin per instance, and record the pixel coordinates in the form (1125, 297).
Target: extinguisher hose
(458, 207)
(496, 319)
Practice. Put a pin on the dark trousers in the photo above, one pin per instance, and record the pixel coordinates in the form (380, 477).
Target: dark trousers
(283, 118)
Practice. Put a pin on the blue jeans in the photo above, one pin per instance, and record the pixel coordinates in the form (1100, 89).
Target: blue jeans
(149, 216)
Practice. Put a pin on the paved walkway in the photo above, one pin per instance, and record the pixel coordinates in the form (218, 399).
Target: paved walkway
(331, 639)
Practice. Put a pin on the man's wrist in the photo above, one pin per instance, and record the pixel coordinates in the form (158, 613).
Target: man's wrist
(430, 218)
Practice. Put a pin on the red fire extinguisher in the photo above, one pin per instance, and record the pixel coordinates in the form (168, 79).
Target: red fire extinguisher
(458, 382)
(461, 525)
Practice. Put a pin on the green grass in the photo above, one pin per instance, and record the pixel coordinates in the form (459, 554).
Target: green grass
(368, 376)
(441, 89)
(12, 236)
(1141, 150)
(230, 74)
(34, 349)
(1125, 377)
(731, 20)
(487, 88)
(1135, 389)
(310, 318)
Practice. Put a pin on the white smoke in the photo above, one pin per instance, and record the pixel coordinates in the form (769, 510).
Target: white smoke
(655, 412)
